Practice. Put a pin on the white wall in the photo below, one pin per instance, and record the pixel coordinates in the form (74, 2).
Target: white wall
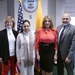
(33, 14)
(10, 7)
(3, 12)
(59, 11)
(56, 10)
(53, 8)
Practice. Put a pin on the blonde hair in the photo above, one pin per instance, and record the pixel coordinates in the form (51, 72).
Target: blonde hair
(50, 20)
(10, 18)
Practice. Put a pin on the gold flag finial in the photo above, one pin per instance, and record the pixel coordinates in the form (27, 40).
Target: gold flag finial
(40, 1)
(20, 1)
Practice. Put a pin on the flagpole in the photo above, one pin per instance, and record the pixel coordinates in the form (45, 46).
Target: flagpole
(39, 18)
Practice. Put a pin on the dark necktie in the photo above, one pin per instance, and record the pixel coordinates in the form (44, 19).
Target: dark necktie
(62, 33)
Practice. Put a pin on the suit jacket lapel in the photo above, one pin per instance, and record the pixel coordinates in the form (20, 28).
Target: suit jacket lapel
(5, 34)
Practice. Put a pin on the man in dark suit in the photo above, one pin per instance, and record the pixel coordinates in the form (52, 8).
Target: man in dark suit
(66, 46)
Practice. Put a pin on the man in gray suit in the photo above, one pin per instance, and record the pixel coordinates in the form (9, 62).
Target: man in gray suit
(66, 46)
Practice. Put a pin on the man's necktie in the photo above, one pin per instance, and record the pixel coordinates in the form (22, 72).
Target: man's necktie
(62, 33)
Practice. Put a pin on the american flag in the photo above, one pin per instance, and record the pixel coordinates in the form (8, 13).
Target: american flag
(20, 18)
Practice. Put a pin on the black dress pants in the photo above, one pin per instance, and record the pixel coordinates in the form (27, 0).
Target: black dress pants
(61, 64)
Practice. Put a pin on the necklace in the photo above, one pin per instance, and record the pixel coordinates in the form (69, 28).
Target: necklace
(9, 33)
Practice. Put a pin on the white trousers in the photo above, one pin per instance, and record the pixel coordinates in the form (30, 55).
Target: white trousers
(28, 70)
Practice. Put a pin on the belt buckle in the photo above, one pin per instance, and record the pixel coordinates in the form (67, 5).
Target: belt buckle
(46, 45)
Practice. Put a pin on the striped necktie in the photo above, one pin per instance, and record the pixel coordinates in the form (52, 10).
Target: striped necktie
(62, 33)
